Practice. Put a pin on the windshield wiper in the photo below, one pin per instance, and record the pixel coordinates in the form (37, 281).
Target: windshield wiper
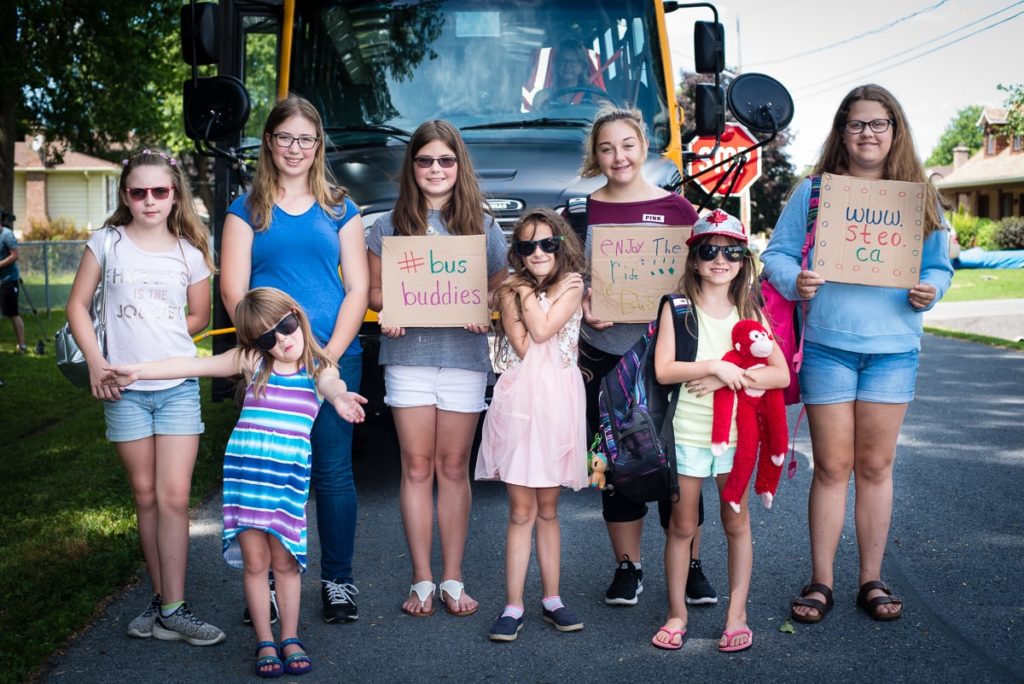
(393, 131)
(543, 122)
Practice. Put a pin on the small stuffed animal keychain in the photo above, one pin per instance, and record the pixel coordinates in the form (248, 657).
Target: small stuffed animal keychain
(760, 421)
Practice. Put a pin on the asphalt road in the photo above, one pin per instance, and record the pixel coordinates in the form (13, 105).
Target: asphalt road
(955, 557)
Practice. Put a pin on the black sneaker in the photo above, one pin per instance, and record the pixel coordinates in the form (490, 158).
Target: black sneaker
(339, 604)
(627, 585)
(505, 628)
(563, 619)
(699, 591)
(247, 619)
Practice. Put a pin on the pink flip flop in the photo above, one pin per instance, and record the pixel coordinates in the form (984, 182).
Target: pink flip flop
(735, 648)
(672, 633)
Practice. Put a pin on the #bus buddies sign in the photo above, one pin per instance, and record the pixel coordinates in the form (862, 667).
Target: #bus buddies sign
(870, 232)
(434, 281)
(631, 267)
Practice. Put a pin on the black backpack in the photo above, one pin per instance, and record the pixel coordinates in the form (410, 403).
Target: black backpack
(636, 414)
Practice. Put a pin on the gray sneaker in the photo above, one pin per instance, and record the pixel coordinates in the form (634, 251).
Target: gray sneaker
(142, 626)
(182, 624)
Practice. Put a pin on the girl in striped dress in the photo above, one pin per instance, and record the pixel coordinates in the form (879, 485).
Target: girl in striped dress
(267, 464)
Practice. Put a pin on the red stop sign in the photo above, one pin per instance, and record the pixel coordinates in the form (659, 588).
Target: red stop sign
(735, 139)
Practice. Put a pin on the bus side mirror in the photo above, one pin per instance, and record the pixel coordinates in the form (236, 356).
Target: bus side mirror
(708, 47)
(760, 103)
(708, 110)
(199, 31)
(214, 108)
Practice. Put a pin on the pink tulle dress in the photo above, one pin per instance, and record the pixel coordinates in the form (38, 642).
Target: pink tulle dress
(534, 433)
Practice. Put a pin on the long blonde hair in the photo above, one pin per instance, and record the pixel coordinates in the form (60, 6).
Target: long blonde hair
(263, 195)
(902, 163)
(463, 214)
(590, 168)
(259, 310)
(183, 221)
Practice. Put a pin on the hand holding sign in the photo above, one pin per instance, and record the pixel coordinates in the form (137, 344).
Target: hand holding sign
(434, 281)
(869, 232)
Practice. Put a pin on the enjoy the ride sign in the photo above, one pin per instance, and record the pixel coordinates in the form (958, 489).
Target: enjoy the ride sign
(735, 139)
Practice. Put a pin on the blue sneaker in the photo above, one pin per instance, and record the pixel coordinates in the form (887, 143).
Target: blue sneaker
(563, 619)
(505, 628)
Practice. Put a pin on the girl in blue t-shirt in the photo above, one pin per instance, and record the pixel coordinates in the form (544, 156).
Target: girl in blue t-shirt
(435, 378)
(293, 231)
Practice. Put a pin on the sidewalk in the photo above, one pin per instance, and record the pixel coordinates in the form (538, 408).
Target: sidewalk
(1003, 318)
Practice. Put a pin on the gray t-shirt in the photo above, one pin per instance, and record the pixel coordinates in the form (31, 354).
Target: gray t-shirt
(440, 347)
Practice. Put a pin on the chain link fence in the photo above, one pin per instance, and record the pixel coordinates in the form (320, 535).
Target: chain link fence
(48, 269)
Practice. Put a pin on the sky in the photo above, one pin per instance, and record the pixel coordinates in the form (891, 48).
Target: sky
(794, 41)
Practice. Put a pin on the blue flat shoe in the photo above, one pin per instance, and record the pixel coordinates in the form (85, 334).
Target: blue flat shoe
(297, 663)
(273, 661)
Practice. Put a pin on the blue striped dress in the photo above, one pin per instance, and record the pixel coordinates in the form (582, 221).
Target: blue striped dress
(267, 465)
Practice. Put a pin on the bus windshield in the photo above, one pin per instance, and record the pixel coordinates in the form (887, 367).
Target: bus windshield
(376, 70)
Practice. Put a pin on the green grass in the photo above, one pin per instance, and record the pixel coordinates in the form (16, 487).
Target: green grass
(69, 538)
(971, 337)
(971, 284)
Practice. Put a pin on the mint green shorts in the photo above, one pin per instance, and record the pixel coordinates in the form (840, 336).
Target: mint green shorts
(694, 461)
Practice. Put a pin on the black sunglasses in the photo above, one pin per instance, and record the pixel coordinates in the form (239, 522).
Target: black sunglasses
(525, 248)
(285, 326)
(733, 253)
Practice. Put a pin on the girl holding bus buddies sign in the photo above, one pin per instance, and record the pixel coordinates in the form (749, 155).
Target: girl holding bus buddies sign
(861, 349)
(435, 378)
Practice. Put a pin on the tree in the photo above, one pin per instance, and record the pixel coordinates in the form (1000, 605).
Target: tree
(1014, 106)
(963, 129)
(98, 75)
(769, 192)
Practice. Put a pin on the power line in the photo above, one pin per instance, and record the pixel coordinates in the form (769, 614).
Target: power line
(880, 29)
(915, 57)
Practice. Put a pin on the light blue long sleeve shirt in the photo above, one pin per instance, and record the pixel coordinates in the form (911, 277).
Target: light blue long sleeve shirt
(858, 318)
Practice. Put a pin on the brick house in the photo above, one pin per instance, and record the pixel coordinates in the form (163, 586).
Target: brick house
(989, 184)
(81, 188)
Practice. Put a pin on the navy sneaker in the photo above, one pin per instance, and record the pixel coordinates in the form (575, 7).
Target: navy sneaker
(505, 628)
(563, 619)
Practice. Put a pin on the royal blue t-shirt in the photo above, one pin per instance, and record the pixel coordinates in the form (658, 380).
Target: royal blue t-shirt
(301, 255)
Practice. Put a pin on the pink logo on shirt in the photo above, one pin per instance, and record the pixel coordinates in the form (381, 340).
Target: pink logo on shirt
(653, 218)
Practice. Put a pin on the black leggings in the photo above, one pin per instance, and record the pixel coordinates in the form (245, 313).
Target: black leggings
(615, 507)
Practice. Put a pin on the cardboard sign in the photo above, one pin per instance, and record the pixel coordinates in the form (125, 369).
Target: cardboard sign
(870, 232)
(631, 267)
(434, 281)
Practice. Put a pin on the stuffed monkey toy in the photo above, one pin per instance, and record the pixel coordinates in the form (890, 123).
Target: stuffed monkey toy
(760, 421)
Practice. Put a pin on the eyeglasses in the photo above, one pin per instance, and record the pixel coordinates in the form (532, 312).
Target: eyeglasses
(733, 253)
(443, 162)
(550, 245)
(285, 140)
(160, 192)
(286, 326)
(876, 125)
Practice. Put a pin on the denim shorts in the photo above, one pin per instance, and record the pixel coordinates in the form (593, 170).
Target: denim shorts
(141, 413)
(449, 389)
(694, 461)
(834, 376)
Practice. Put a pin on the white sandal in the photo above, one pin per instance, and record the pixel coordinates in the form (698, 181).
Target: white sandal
(454, 589)
(423, 591)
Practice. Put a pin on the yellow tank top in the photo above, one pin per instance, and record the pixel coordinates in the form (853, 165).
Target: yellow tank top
(692, 420)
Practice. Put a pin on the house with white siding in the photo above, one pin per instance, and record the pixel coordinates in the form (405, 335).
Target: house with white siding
(80, 188)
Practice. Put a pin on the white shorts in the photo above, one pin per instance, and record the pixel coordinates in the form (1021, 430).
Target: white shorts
(449, 389)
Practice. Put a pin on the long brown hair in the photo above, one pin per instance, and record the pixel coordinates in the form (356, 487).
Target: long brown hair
(183, 221)
(463, 214)
(259, 310)
(589, 168)
(902, 163)
(263, 195)
(744, 290)
(568, 259)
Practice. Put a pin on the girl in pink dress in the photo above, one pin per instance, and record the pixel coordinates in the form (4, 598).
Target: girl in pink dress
(534, 435)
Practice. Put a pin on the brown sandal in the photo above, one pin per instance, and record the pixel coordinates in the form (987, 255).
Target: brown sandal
(821, 606)
(870, 606)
